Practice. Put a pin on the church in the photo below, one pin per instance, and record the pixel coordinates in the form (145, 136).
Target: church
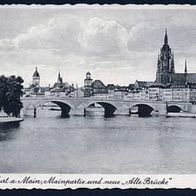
(166, 69)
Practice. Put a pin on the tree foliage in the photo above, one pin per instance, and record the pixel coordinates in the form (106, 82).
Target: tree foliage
(10, 93)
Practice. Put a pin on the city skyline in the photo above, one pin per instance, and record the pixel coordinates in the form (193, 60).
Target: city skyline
(116, 45)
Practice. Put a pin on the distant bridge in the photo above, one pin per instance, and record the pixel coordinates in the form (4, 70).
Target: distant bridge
(77, 106)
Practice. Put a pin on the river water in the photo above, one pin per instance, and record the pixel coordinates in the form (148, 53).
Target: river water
(94, 144)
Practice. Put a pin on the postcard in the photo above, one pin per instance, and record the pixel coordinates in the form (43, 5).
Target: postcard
(97, 96)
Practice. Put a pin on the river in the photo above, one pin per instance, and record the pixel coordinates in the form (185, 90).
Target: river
(94, 144)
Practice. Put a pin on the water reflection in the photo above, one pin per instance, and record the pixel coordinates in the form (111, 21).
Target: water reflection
(8, 130)
(95, 144)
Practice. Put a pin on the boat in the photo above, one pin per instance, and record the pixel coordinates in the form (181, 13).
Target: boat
(10, 120)
(4, 118)
(54, 109)
(181, 114)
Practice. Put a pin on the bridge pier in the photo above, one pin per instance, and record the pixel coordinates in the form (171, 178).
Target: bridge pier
(109, 112)
(188, 107)
(78, 112)
(24, 111)
(64, 114)
(129, 112)
(123, 111)
(192, 108)
(160, 108)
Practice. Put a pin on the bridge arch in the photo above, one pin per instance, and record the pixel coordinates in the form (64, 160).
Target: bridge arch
(174, 108)
(143, 109)
(65, 107)
(109, 108)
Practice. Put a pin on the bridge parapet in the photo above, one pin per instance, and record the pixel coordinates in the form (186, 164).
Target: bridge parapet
(122, 106)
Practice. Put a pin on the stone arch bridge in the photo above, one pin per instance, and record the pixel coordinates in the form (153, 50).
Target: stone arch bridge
(77, 106)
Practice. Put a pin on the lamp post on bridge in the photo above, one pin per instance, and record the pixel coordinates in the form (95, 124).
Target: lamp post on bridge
(166, 107)
(35, 112)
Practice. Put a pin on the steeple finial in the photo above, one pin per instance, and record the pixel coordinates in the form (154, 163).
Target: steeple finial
(185, 67)
(59, 76)
(166, 37)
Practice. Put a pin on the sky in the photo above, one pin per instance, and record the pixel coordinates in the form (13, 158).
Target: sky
(116, 44)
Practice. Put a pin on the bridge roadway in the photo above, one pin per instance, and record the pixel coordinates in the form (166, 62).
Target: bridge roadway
(77, 106)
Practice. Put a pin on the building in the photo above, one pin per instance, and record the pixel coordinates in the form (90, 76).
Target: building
(168, 85)
(166, 94)
(166, 68)
(35, 88)
(140, 84)
(192, 95)
(36, 78)
(180, 93)
(155, 92)
(77, 93)
(165, 63)
(99, 88)
(59, 83)
(133, 95)
(61, 88)
(88, 85)
(144, 94)
(179, 87)
(111, 90)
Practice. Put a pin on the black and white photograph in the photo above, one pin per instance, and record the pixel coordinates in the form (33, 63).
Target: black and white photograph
(97, 89)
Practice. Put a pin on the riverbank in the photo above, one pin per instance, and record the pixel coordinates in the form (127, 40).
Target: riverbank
(181, 114)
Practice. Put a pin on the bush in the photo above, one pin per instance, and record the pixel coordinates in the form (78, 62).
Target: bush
(10, 93)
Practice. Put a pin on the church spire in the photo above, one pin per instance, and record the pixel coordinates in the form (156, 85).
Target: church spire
(166, 37)
(185, 73)
(185, 67)
(59, 79)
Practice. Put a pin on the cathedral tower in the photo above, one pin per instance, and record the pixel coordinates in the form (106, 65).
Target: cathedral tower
(165, 63)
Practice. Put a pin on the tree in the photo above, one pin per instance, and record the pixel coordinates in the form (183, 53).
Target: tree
(10, 93)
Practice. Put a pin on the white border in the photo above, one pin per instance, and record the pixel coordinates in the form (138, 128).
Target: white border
(74, 181)
(98, 6)
(63, 181)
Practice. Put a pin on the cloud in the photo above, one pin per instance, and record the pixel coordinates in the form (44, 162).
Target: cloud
(146, 37)
(101, 37)
(149, 36)
(114, 45)
(7, 45)
(182, 18)
(60, 33)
